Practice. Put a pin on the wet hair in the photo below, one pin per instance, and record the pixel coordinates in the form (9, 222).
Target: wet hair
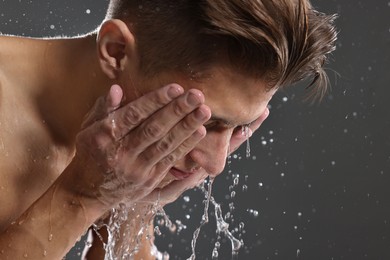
(279, 41)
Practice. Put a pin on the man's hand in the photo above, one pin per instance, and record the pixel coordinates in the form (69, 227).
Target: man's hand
(123, 153)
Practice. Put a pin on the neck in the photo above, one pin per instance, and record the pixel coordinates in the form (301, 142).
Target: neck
(73, 82)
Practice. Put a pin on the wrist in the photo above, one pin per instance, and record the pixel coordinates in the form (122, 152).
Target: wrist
(80, 194)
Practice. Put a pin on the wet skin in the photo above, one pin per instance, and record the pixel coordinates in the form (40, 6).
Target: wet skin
(230, 106)
(224, 102)
(129, 149)
(235, 101)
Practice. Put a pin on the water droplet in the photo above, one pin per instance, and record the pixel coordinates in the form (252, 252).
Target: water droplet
(186, 198)
(52, 26)
(241, 226)
(214, 253)
(236, 180)
(50, 237)
(157, 230)
(88, 11)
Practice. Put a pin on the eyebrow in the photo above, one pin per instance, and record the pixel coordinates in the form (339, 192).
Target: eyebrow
(226, 121)
(220, 119)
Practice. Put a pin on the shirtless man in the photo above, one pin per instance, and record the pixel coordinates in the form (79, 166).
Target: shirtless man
(146, 107)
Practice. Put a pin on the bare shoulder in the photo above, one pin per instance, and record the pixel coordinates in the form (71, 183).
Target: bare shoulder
(25, 173)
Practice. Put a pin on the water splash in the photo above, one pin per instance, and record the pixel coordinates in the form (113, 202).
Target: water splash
(123, 242)
(205, 216)
(245, 130)
(222, 225)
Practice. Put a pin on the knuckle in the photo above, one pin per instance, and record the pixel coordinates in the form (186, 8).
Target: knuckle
(163, 146)
(159, 99)
(187, 124)
(152, 131)
(170, 159)
(132, 116)
(144, 158)
(179, 109)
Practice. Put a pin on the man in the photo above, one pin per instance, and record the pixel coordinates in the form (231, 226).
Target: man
(179, 81)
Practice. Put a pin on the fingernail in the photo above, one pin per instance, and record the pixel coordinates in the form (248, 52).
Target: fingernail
(266, 112)
(250, 133)
(175, 91)
(193, 99)
(114, 96)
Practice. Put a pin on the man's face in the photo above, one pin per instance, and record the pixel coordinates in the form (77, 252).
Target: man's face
(235, 101)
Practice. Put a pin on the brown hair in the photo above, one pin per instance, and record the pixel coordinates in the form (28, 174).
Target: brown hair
(280, 41)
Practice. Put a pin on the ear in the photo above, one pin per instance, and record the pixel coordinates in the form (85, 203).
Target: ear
(116, 47)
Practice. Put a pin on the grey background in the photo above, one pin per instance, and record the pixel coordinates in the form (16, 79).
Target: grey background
(318, 175)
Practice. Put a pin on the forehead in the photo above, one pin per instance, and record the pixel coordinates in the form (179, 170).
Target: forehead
(233, 97)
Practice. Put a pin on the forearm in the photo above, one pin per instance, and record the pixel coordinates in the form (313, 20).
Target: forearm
(49, 228)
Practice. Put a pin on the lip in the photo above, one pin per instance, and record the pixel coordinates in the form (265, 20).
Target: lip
(179, 174)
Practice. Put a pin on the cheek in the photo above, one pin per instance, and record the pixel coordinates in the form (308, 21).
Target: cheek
(217, 138)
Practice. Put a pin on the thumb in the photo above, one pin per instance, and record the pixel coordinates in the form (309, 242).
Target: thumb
(104, 106)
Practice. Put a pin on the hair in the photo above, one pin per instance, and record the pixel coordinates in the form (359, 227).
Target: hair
(279, 41)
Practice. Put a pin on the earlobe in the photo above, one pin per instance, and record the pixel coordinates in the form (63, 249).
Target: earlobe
(116, 47)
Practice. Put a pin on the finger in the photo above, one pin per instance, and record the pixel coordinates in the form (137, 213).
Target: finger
(158, 171)
(131, 115)
(159, 124)
(169, 161)
(104, 105)
(178, 134)
(258, 122)
(240, 136)
(172, 191)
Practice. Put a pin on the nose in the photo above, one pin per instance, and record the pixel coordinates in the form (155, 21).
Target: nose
(211, 152)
